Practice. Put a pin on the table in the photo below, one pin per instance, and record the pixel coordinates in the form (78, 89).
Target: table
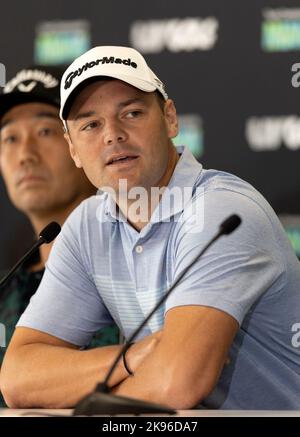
(31, 412)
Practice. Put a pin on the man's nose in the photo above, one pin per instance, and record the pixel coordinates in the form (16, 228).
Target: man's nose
(28, 150)
(114, 133)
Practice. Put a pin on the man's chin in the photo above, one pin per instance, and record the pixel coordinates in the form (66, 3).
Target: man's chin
(34, 205)
(122, 186)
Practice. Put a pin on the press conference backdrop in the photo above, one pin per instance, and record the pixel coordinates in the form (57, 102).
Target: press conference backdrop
(231, 67)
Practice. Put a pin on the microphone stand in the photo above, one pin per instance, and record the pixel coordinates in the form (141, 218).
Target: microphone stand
(46, 236)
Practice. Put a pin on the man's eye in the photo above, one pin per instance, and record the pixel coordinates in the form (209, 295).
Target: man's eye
(91, 125)
(45, 132)
(11, 139)
(133, 114)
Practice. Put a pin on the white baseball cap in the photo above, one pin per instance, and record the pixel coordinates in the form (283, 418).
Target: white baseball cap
(123, 63)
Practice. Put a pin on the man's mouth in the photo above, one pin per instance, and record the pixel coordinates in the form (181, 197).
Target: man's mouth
(121, 159)
(30, 179)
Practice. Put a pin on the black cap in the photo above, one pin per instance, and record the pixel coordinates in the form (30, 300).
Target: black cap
(32, 84)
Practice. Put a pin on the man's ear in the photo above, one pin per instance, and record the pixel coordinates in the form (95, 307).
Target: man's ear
(171, 118)
(72, 149)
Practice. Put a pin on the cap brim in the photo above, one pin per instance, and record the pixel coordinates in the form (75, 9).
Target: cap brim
(137, 83)
(9, 100)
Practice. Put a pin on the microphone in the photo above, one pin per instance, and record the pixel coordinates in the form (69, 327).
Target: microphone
(46, 236)
(101, 402)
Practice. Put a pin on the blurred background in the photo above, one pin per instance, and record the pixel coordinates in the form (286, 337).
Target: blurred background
(231, 67)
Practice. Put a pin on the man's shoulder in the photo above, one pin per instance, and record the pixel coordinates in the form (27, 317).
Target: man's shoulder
(220, 184)
(217, 194)
(87, 220)
(92, 203)
(211, 179)
(89, 208)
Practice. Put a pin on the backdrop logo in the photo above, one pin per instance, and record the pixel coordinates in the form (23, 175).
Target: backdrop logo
(291, 224)
(2, 75)
(280, 30)
(270, 133)
(191, 133)
(60, 42)
(296, 77)
(175, 35)
(2, 335)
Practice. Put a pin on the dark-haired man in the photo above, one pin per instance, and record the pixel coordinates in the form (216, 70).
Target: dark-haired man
(40, 177)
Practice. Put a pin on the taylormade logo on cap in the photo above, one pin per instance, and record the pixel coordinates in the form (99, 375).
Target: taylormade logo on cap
(123, 63)
(104, 60)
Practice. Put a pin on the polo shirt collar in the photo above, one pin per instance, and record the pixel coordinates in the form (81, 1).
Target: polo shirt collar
(180, 188)
(178, 193)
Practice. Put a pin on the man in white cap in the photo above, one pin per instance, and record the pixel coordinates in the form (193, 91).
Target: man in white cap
(227, 328)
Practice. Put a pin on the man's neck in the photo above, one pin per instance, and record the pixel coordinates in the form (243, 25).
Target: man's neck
(152, 202)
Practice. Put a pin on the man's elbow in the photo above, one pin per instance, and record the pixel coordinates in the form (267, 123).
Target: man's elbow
(186, 393)
(10, 391)
(11, 384)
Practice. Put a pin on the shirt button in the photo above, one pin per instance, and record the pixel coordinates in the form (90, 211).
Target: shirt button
(139, 249)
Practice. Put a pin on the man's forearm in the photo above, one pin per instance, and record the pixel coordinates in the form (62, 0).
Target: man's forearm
(186, 364)
(42, 375)
(150, 381)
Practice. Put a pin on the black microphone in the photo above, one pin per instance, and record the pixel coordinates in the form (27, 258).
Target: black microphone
(230, 224)
(46, 236)
(101, 401)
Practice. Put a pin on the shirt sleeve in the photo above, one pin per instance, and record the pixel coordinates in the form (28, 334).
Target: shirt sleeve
(67, 303)
(238, 268)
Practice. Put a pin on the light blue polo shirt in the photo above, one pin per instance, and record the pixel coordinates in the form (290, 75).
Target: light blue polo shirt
(101, 268)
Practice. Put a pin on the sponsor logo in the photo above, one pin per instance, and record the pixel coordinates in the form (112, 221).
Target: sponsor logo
(87, 65)
(60, 42)
(280, 30)
(27, 88)
(30, 75)
(191, 133)
(271, 132)
(291, 224)
(176, 34)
